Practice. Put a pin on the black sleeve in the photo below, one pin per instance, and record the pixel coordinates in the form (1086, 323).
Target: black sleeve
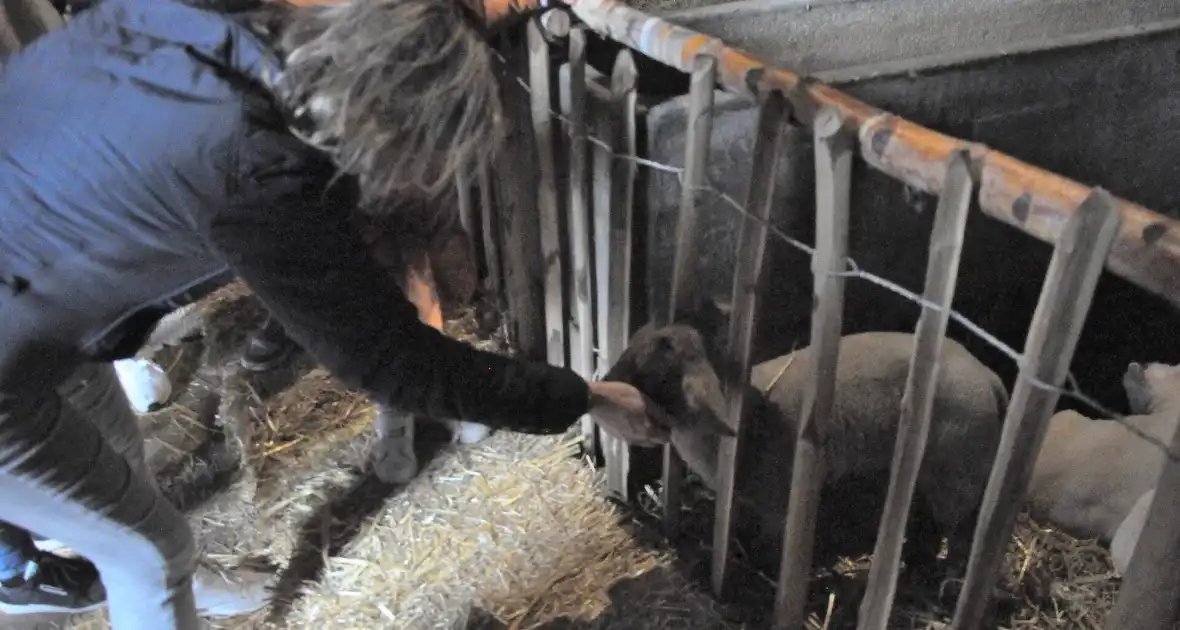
(290, 239)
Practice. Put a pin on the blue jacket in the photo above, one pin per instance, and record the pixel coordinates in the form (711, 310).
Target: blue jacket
(142, 161)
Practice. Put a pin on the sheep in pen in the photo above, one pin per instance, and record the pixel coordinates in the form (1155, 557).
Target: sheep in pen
(645, 198)
(513, 531)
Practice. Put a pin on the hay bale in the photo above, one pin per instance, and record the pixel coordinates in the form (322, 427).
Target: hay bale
(516, 526)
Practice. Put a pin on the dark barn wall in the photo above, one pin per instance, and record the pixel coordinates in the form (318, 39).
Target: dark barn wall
(1103, 114)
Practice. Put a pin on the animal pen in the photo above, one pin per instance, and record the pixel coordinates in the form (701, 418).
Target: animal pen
(581, 140)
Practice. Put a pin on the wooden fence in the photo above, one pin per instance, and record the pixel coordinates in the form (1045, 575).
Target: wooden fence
(584, 188)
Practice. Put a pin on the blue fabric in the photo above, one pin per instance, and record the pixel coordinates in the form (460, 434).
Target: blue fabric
(109, 171)
(15, 551)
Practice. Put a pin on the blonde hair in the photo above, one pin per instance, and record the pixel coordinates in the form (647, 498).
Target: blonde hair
(402, 93)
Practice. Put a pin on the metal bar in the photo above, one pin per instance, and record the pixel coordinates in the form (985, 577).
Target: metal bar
(540, 75)
(622, 219)
(768, 145)
(1147, 598)
(833, 183)
(1035, 201)
(491, 249)
(684, 293)
(942, 269)
(582, 330)
(1052, 337)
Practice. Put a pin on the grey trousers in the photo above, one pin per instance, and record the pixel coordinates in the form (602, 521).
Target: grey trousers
(72, 469)
(75, 471)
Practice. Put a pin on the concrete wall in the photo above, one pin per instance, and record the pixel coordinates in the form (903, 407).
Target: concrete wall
(813, 36)
(1103, 114)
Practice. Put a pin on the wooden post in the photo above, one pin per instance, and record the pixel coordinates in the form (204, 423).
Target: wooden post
(684, 287)
(582, 328)
(1052, 337)
(556, 24)
(622, 219)
(606, 130)
(768, 144)
(517, 182)
(540, 76)
(1147, 599)
(833, 181)
(942, 268)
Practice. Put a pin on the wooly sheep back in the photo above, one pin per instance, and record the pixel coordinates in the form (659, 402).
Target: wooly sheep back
(673, 367)
(1090, 473)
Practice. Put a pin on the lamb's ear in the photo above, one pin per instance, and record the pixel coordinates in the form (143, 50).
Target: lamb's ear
(705, 404)
(707, 316)
(627, 365)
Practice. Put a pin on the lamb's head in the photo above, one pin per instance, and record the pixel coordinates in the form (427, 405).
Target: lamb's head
(1152, 388)
(671, 366)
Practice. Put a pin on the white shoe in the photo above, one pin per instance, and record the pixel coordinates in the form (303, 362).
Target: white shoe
(393, 457)
(229, 593)
(49, 546)
(145, 383)
(463, 432)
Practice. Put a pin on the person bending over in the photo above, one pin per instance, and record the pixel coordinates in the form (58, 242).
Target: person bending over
(151, 149)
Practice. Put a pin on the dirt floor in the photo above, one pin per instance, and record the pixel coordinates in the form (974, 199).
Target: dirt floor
(511, 533)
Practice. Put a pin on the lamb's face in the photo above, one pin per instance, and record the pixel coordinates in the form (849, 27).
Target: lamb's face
(1148, 388)
(670, 365)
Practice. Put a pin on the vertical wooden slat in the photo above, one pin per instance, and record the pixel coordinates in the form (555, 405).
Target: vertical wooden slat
(768, 144)
(833, 178)
(517, 181)
(582, 330)
(684, 286)
(622, 219)
(490, 225)
(606, 132)
(942, 268)
(556, 24)
(1057, 324)
(602, 156)
(540, 83)
(1147, 598)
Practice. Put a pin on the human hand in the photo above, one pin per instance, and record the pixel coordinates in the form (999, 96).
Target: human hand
(625, 413)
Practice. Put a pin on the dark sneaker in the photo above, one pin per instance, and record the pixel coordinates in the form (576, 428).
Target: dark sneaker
(267, 348)
(53, 585)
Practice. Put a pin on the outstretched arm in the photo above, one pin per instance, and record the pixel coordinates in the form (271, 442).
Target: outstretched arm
(290, 239)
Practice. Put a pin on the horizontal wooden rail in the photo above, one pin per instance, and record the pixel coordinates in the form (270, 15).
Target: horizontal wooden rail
(1035, 201)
